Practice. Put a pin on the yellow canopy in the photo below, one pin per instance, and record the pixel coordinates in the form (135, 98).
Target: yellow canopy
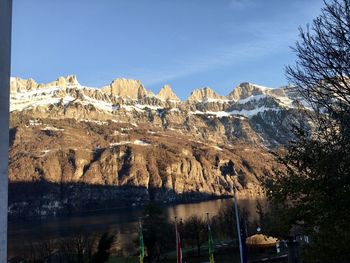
(260, 240)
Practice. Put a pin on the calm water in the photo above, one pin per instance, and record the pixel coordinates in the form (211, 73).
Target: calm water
(123, 222)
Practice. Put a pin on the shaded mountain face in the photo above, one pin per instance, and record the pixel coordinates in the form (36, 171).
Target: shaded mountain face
(75, 148)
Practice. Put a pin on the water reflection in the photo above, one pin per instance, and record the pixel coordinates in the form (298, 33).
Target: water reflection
(123, 222)
(185, 211)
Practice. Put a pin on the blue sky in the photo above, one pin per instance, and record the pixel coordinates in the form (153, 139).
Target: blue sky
(185, 43)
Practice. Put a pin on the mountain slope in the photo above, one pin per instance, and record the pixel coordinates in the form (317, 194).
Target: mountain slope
(75, 148)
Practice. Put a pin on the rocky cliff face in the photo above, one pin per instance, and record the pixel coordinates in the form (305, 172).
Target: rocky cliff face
(75, 147)
(126, 88)
(204, 94)
(166, 93)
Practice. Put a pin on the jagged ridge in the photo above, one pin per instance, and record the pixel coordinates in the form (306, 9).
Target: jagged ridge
(139, 145)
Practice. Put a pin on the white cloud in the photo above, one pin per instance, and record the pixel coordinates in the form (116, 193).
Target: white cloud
(266, 44)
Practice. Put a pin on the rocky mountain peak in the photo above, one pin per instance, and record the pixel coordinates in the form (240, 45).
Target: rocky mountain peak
(127, 98)
(72, 79)
(126, 88)
(245, 90)
(166, 93)
(22, 85)
(63, 82)
(204, 94)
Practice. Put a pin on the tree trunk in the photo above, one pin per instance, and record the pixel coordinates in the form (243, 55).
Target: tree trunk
(5, 59)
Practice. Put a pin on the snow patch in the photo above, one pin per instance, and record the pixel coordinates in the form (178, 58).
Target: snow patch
(217, 148)
(105, 106)
(131, 108)
(252, 98)
(97, 122)
(35, 93)
(51, 128)
(145, 106)
(140, 142)
(137, 142)
(216, 100)
(244, 113)
(259, 86)
(251, 113)
(285, 101)
(35, 123)
(119, 143)
(306, 104)
(116, 132)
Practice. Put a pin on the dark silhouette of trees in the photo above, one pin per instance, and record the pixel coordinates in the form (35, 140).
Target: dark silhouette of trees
(195, 232)
(80, 247)
(315, 189)
(158, 234)
(224, 223)
(103, 249)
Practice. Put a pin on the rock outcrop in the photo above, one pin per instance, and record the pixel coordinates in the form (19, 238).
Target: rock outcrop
(22, 85)
(126, 88)
(204, 94)
(245, 90)
(166, 93)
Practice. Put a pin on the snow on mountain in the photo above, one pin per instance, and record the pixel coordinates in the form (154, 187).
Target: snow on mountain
(131, 95)
(129, 101)
(122, 135)
(243, 112)
(245, 90)
(251, 98)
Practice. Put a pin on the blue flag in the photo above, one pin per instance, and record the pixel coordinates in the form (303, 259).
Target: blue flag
(243, 233)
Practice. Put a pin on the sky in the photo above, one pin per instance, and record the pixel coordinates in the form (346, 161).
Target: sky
(187, 44)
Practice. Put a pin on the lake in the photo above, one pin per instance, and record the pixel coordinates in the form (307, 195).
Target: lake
(123, 222)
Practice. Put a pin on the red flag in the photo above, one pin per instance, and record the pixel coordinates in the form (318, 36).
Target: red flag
(178, 245)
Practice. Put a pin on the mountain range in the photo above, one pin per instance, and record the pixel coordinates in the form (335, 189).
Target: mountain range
(76, 148)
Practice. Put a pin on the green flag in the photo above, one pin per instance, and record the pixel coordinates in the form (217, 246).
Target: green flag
(210, 245)
(142, 246)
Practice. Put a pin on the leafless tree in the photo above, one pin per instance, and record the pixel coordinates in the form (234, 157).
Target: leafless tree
(314, 189)
(322, 70)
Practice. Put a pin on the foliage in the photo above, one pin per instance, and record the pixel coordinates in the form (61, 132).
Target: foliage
(224, 223)
(194, 232)
(103, 250)
(80, 247)
(158, 235)
(315, 187)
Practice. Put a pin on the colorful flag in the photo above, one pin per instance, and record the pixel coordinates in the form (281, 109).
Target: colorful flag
(210, 244)
(142, 245)
(178, 244)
